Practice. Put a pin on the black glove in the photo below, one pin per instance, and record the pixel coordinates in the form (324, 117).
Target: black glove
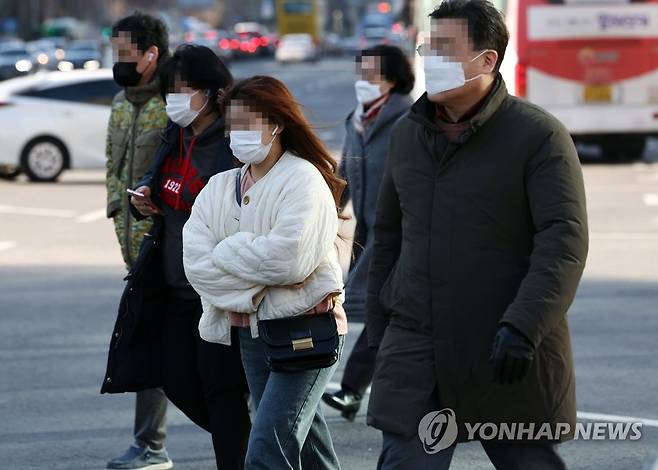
(511, 355)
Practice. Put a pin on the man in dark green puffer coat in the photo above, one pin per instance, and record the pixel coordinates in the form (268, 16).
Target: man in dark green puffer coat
(480, 243)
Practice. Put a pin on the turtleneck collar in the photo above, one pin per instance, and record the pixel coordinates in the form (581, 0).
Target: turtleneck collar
(140, 94)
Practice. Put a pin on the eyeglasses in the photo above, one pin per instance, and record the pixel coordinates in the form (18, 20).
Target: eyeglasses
(437, 47)
(424, 50)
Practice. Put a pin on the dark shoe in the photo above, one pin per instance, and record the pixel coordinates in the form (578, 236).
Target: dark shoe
(348, 403)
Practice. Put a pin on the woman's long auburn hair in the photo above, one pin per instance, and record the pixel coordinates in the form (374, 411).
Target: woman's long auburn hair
(273, 99)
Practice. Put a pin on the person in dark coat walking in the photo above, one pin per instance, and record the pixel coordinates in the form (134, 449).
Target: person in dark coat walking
(386, 78)
(480, 243)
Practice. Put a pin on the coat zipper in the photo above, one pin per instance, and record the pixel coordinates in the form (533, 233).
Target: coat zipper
(131, 162)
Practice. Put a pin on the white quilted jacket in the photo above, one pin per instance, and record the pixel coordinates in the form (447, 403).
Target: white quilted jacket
(274, 256)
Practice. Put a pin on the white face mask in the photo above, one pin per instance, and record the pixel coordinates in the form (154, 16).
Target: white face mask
(443, 75)
(179, 108)
(366, 91)
(247, 146)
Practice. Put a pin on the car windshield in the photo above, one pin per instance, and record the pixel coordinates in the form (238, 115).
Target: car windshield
(375, 32)
(43, 45)
(13, 52)
(82, 47)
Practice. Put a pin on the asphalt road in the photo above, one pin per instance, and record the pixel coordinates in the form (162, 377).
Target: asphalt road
(61, 277)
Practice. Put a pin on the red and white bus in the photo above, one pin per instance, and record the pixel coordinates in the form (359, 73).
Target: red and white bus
(591, 63)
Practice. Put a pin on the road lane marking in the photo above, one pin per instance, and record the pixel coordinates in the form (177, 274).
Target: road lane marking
(7, 245)
(581, 416)
(617, 419)
(650, 199)
(604, 417)
(64, 213)
(650, 178)
(623, 236)
(91, 216)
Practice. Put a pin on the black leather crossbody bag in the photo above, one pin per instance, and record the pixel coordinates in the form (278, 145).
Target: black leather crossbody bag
(299, 343)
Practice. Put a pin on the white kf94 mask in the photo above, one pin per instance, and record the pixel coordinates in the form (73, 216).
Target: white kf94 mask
(179, 108)
(442, 74)
(247, 147)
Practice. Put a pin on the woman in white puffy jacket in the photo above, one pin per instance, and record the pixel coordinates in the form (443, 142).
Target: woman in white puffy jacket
(260, 245)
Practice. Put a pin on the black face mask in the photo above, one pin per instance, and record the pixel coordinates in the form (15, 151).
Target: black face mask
(126, 74)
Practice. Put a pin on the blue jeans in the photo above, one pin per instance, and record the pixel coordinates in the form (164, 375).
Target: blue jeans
(289, 431)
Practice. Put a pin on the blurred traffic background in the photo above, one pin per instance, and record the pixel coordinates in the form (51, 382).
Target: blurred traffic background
(56, 55)
(594, 64)
(72, 39)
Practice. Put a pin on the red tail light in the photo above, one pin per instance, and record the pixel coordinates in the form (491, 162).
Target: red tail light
(235, 44)
(264, 41)
(521, 80)
(224, 44)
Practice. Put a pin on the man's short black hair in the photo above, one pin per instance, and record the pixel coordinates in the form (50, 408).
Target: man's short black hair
(199, 67)
(486, 25)
(145, 31)
(395, 66)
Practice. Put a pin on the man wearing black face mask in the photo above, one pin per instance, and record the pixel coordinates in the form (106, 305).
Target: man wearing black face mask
(140, 43)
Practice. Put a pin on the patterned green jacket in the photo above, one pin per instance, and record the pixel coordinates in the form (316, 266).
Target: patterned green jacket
(138, 118)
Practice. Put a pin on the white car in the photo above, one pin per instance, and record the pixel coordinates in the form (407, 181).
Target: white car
(54, 121)
(296, 48)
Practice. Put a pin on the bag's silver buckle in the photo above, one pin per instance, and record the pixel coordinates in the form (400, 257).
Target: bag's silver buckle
(301, 344)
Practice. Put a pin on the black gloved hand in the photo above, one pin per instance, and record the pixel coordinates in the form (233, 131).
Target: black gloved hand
(511, 355)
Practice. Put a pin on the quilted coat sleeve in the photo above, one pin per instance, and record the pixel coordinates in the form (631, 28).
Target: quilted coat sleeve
(556, 197)
(200, 237)
(386, 251)
(342, 166)
(112, 183)
(303, 233)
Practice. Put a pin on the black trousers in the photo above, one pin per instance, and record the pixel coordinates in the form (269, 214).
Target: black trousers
(407, 453)
(206, 381)
(360, 366)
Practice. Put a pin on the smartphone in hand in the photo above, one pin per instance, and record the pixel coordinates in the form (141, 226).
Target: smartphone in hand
(135, 193)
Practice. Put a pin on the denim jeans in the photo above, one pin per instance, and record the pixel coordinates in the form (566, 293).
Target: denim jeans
(289, 431)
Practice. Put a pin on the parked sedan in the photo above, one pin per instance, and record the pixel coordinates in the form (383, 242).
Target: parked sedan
(296, 48)
(54, 121)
